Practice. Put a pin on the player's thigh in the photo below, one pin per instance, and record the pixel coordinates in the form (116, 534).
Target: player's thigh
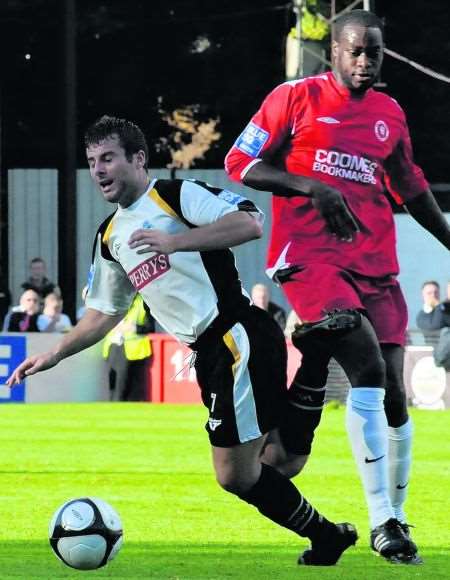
(242, 376)
(316, 289)
(386, 308)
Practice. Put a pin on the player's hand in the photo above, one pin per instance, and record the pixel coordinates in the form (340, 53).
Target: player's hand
(332, 207)
(32, 365)
(152, 241)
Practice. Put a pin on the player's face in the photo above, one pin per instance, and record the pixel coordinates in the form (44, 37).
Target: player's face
(119, 180)
(358, 55)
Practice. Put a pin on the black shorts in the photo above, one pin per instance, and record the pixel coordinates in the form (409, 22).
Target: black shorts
(242, 376)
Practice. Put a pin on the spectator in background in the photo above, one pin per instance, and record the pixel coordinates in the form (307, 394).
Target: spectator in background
(261, 298)
(127, 350)
(23, 318)
(430, 317)
(52, 318)
(38, 280)
(5, 297)
(315, 31)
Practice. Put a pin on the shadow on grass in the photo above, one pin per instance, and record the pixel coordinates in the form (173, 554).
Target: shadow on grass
(27, 560)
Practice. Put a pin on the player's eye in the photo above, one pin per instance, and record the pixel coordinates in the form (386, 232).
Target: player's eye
(373, 53)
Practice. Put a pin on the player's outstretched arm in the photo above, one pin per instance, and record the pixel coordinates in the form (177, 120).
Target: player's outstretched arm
(228, 231)
(425, 210)
(328, 201)
(90, 329)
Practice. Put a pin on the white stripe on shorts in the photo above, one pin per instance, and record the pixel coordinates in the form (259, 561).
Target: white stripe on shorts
(237, 341)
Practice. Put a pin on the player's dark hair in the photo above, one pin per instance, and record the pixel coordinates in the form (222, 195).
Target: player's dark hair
(37, 260)
(130, 136)
(359, 17)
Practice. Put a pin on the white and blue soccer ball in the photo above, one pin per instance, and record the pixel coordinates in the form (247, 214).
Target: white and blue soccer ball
(86, 533)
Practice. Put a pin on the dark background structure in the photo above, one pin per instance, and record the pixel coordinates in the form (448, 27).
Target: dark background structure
(223, 56)
(66, 62)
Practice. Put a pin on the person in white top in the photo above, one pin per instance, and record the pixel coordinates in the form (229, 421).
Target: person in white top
(169, 240)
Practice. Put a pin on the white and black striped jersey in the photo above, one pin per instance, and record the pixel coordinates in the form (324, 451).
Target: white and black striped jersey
(185, 291)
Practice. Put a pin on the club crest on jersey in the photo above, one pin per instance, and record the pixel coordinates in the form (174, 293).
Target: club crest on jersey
(149, 270)
(146, 225)
(252, 140)
(381, 130)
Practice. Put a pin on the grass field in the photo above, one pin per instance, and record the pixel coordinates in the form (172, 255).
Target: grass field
(152, 463)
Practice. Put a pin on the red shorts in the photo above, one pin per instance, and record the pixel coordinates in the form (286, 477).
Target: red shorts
(318, 288)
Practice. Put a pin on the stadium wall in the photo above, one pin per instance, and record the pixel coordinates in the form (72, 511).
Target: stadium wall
(32, 231)
(82, 377)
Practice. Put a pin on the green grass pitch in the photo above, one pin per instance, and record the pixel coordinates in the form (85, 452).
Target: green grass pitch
(152, 463)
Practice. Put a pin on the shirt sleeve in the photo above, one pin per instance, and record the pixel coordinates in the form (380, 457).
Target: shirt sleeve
(202, 204)
(109, 289)
(403, 178)
(265, 133)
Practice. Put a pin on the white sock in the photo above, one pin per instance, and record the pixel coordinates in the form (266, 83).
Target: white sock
(400, 457)
(368, 432)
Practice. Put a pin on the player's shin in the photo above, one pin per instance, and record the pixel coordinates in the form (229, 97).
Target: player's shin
(368, 432)
(277, 498)
(305, 402)
(400, 457)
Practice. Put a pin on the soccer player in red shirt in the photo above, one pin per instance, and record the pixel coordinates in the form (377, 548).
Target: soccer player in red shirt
(328, 147)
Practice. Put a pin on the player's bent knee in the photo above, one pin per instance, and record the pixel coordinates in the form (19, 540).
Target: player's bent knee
(293, 465)
(236, 482)
(365, 371)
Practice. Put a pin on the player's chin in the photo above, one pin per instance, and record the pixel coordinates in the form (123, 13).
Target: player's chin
(111, 196)
(362, 83)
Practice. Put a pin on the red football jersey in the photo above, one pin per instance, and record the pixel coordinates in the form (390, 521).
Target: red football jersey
(316, 128)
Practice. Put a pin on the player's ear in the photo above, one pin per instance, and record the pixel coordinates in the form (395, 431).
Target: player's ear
(334, 49)
(140, 159)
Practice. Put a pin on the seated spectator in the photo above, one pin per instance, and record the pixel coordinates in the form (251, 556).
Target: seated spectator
(23, 318)
(261, 298)
(52, 318)
(38, 280)
(5, 297)
(430, 318)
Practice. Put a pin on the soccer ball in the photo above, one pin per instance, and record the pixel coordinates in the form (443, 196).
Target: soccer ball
(85, 533)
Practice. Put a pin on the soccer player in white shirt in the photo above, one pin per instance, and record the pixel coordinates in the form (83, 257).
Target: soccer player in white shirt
(169, 240)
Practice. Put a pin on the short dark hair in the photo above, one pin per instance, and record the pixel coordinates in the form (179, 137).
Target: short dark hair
(432, 282)
(130, 136)
(37, 261)
(360, 17)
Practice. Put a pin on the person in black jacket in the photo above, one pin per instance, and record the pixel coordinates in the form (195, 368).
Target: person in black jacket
(24, 318)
